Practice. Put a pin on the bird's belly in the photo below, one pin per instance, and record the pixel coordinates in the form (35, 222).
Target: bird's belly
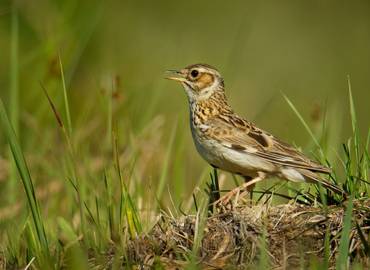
(231, 160)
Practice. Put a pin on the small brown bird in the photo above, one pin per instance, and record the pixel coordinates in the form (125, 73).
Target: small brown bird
(231, 143)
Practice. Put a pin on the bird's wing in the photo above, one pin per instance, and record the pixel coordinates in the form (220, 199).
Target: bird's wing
(238, 134)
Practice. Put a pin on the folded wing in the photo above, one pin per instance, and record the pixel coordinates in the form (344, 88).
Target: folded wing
(240, 135)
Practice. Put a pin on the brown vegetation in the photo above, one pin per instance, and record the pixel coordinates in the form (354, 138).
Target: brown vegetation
(294, 234)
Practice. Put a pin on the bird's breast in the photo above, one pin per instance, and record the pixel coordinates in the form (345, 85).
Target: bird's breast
(207, 148)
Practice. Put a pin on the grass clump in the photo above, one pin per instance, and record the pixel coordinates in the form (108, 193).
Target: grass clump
(290, 233)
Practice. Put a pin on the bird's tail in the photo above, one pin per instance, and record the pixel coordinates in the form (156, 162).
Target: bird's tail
(315, 178)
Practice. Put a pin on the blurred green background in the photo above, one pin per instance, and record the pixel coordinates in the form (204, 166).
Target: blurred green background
(304, 49)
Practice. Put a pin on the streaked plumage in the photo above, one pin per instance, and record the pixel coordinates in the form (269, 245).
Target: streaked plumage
(229, 142)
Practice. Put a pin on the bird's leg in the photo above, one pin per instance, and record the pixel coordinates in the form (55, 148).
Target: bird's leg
(250, 188)
(249, 185)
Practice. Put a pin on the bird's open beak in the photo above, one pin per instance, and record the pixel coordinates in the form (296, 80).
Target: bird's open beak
(175, 75)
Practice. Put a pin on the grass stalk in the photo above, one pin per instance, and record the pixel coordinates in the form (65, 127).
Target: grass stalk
(127, 206)
(25, 177)
(14, 71)
(71, 155)
(342, 260)
(213, 190)
(109, 206)
(308, 129)
(353, 121)
(65, 96)
(264, 256)
(14, 94)
(313, 137)
(110, 112)
(164, 173)
(67, 134)
(356, 137)
(200, 224)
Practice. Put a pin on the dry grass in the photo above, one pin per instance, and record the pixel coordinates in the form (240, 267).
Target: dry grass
(295, 234)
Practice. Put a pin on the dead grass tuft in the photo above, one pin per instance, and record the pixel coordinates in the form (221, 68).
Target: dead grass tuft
(294, 235)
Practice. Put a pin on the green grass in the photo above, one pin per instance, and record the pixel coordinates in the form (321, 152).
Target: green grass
(14, 93)
(343, 258)
(355, 181)
(39, 246)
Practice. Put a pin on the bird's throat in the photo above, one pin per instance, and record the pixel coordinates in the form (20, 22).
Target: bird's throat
(216, 104)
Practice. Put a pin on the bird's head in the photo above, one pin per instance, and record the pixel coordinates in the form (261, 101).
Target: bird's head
(200, 81)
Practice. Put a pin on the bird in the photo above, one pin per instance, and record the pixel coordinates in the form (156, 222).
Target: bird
(231, 143)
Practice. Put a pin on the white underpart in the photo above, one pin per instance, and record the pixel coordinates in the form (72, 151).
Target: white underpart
(292, 174)
(231, 160)
(190, 93)
(240, 162)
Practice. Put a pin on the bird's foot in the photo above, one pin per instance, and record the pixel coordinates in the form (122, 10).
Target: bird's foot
(225, 200)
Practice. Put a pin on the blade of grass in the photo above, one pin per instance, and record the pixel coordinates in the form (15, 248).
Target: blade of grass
(200, 224)
(67, 231)
(109, 206)
(25, 177)
(14, 94)
(342, 259)
(353, 121)
(65, 96)
(14, 71)
(321, 190)
(126, 203)
(213, 190)
(30, 263)
(163, 177)
(264, 261)
(33, 245)
(110, 112)
(68, 133)
(367, 158)
(308, 129)
(366, 164)
(71, 155)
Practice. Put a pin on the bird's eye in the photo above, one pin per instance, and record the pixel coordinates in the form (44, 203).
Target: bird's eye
(194, 73)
